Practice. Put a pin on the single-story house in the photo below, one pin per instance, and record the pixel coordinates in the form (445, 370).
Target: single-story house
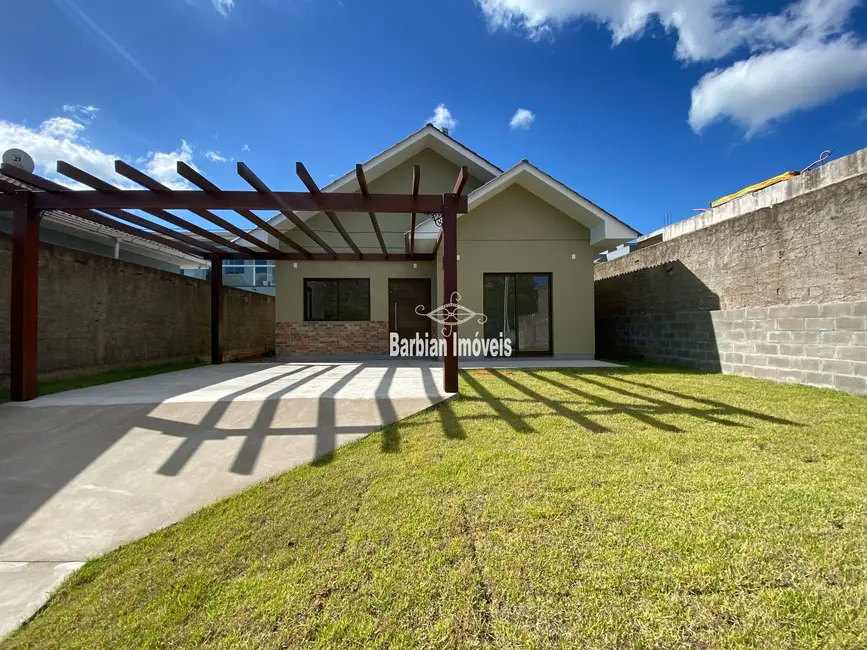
(525, 249)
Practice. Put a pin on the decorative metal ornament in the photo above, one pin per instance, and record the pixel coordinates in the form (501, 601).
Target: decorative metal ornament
(451, 314)
(436, 216)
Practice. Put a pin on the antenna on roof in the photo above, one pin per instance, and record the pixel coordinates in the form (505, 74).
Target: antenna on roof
(20, 159)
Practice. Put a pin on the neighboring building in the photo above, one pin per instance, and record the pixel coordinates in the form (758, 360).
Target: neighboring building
(620, 251)
(66, 230)
(256, 276)
(69, 231)
(526, 253)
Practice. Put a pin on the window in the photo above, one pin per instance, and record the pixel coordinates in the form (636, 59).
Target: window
(337, 299)
(234, 267)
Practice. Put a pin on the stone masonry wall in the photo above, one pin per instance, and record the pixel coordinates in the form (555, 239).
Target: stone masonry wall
(332, 338)
(97, 313)
(779, 293)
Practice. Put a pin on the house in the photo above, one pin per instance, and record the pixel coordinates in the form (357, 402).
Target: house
(525, 248)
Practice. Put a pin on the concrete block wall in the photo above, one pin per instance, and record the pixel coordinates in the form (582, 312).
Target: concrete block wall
(97, 313)
(779, 293)
(820, 345)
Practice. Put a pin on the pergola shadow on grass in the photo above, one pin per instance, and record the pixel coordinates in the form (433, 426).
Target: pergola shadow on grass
(586, 399)
(644, 408)
(712, 512)
(28, 196)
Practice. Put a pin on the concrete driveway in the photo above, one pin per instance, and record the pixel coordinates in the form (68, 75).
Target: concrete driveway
(83, 472)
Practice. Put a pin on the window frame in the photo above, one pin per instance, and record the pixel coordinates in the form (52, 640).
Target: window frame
(308, 316)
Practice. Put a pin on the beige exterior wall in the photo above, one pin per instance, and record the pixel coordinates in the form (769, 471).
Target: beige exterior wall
(516, 232)
(438, 176)
(290, 283)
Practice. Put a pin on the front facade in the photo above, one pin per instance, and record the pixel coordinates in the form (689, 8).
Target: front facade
(525, 260)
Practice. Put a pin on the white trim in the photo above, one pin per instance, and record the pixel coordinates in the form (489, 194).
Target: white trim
(604, 227)
(428, 137)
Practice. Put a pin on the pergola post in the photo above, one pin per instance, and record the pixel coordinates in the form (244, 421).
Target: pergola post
(25, 297)
(450, 286)
(216, 310)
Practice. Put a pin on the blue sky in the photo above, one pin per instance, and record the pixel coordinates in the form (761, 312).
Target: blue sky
(646, 114)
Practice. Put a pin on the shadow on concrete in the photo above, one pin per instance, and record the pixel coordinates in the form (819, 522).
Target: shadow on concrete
(43, 449)
(661, 314)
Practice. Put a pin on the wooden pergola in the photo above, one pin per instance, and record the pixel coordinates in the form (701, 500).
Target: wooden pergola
(31, 195)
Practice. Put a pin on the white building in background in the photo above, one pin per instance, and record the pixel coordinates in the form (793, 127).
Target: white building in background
(250, 275)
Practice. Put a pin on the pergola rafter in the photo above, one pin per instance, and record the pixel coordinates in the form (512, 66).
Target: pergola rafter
(89, 180)
(81, 176)
(362, 185)
(110, 206)
(257, 184)
(136, 176)
(205, 185)
(313, 188)
(184, 244)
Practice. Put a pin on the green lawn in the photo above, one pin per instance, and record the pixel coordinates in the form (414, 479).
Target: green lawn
(60, 385)
(644, 508)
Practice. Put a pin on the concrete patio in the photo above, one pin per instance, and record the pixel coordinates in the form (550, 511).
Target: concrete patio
(85, 471)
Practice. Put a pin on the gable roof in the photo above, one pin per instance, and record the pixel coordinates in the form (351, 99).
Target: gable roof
(428, 137)
(604, 227)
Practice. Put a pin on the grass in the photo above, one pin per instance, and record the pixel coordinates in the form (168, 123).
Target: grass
(60, 385)
(643, 508)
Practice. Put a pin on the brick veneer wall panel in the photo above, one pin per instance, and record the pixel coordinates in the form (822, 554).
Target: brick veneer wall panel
(97, 313)
(332, 338)
(778, 294)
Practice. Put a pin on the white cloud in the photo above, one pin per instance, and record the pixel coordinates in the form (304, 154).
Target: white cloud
(224, 6)
(163, 166)
(214, 156)
(442, 118)
(709, 30)
(706, 29)
(522, 119)
(246, 147)
(83, 113)
(765, 87)
(60, 138)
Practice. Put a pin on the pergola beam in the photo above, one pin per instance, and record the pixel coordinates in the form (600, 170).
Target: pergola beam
(323, 257)
(137, 176)
(205, 185)
(81, 176)
(416, 179)
(311, 185)
(257, 184)
(362, 185)
(232, 200)
(46, 185)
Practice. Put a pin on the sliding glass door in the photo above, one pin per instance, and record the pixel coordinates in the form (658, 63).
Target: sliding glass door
(519, 306)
